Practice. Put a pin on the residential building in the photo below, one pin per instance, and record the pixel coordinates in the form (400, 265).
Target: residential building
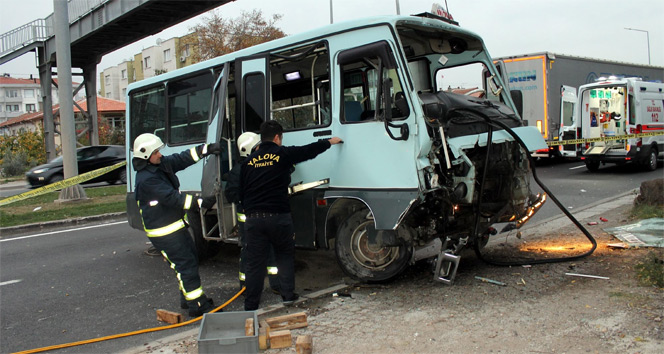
(21, 96)
(110, 112)
(164, 56)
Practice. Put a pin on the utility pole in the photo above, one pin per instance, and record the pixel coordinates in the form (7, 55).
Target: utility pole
(67, 126)
(647, 38)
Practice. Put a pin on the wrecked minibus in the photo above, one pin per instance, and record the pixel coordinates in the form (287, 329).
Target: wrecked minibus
(423, 173)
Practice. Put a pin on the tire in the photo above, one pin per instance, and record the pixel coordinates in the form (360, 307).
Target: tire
(123, 176)
(650, 163)
(362, 261)
(592, 166)
(55, 178)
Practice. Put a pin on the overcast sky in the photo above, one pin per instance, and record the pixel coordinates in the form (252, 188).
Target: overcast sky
(588, 28)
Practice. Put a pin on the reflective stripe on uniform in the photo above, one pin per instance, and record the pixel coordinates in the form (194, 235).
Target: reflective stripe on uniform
(166, 230)
(241, 217)
(194, 154)
(272, 270)
(242, 277)
(187, 201)
(188, 295)
(154, 202)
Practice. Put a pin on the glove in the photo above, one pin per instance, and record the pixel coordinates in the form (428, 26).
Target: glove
(214, 149)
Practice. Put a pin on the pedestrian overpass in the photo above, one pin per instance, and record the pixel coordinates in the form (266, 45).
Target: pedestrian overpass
(96, 27)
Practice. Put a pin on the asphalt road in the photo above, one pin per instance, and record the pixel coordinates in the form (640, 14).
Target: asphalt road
(71, 285)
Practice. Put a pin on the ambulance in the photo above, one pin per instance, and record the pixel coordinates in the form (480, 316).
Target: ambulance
(621, 121)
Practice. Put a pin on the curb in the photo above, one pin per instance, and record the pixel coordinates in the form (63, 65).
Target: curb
(13, 230)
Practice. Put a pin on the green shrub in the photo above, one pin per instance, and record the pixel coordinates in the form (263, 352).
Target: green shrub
(14, 164)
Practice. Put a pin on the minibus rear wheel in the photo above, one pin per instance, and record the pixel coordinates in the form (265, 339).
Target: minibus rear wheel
(362, 260)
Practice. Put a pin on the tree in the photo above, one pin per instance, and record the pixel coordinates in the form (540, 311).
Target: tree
(218, 36)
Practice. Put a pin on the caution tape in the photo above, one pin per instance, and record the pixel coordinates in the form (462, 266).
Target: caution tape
(603, 138)
(72, 181)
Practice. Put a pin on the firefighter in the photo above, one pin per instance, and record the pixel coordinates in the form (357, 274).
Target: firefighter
(264, 181)
(164, 212)
(246, 144)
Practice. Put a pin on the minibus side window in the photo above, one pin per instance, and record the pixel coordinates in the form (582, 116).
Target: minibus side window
(188, 105)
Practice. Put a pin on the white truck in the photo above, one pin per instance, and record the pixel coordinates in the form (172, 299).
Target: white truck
(544, 77)
(621, 121)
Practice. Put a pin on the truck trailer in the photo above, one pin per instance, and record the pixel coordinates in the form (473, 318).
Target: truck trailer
(543, 78)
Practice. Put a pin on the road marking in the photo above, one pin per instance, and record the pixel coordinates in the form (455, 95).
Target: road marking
(577, 167)
(11, 282)
(61, 231)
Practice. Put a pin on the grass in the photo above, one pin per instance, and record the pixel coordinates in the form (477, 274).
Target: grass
(102, 200)
(645, 211)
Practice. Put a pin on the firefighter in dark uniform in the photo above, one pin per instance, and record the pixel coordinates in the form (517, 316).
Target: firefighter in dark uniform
(246, 144)
(265, 177)
(164, 212)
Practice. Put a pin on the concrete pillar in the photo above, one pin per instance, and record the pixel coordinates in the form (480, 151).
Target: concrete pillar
(67, 126)
(45, 79)
(90, 81)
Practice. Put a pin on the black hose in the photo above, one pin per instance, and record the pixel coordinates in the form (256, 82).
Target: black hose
(541, 184)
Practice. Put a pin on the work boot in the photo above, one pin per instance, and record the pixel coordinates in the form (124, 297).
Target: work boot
(290, 301)
(200, 306)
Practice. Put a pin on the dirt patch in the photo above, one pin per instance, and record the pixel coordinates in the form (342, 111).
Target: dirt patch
(540, 309)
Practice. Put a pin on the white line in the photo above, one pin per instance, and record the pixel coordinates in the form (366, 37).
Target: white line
(61, 231)
(11, 282)
(574, 168)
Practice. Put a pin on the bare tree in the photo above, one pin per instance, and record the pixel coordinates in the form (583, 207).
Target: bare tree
(217, 35)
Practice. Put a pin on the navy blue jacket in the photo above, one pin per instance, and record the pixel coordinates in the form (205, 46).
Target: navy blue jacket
(157, 189)
(265, 175)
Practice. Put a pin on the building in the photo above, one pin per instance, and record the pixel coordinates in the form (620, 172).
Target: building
(110, 112)
(164, 56)
(22, 96)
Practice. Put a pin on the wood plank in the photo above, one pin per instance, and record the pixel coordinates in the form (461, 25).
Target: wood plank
(169, 316)
(280, 339)
(292, 321)
(249, 327)
(304, 345)
(263, 335)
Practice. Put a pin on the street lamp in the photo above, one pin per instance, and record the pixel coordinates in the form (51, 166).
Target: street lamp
(647, 37)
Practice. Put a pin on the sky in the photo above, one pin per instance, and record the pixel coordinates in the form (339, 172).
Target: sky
(586, 28)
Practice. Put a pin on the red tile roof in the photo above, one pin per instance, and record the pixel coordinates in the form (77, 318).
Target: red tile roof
(104, 105)
(16, 81)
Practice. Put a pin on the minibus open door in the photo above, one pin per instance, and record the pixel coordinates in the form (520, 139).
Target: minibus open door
(217, 214)
(569, 124)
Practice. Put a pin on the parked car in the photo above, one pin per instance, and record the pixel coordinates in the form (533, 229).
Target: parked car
(89, 158)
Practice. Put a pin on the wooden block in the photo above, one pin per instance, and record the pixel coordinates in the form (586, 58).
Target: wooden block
(292, 321)
(263, 337)
(280, 339)
(249, 327)
(169, 316)
(304, 345)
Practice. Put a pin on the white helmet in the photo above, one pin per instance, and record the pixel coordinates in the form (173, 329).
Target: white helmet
(145, 144)
(247, 142)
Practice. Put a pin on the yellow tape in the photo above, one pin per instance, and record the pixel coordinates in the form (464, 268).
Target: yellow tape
(62, 184)
(605, 138)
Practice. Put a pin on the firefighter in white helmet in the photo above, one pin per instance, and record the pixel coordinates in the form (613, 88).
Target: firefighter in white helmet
(164, 213)
(246, 144)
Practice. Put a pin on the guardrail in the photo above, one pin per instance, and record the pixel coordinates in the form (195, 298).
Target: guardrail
(42, 29)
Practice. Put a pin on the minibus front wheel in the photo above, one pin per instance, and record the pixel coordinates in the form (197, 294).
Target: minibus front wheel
(361, 257)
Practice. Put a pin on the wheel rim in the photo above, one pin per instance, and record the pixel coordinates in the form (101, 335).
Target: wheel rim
(370, 256)
(653, 160)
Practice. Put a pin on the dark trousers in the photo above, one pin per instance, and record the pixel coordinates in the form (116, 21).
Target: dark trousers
(271, 261)
(276, 230)
(180, 251)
